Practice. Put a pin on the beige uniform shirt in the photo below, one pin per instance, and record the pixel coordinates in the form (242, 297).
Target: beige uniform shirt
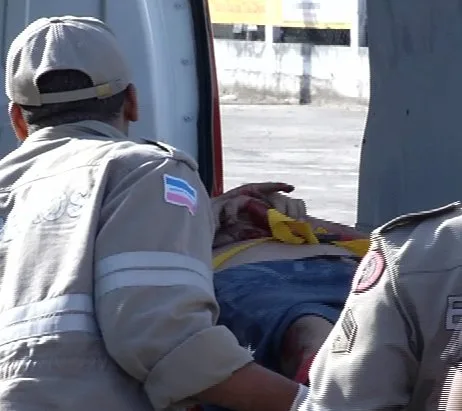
(385, 352)
(106, 288)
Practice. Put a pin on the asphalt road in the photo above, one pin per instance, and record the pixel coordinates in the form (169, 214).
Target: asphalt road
(316, 149)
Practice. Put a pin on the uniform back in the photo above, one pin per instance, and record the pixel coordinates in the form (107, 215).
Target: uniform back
(52, 192)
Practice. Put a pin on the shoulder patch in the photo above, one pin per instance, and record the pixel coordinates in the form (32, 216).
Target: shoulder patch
(176, 154)
(414, 218)
(369, 271)
(180, 193)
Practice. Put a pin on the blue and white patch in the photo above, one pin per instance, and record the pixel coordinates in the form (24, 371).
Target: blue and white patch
(179, 192)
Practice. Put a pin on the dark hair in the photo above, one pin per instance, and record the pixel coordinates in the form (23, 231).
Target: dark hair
(61, 113)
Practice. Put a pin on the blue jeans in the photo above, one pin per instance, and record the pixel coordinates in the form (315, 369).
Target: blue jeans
(260, 301)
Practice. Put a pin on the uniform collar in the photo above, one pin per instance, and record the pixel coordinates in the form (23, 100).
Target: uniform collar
(80, 129)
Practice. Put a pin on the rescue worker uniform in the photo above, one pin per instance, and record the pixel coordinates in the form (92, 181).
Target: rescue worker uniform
(385, 352)
(106, 290)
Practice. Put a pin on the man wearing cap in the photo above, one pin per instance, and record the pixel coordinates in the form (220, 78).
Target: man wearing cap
(106, 289)
(386, 352)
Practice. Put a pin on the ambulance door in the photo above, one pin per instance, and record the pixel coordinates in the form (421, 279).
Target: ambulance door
(170, 49)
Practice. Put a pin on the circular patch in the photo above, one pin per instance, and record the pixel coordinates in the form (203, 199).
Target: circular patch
(369, 271)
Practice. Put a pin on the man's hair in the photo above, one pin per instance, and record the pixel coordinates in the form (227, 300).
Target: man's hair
(104, 110)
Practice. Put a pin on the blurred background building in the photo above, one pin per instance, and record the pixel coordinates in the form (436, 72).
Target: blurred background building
(318, 22)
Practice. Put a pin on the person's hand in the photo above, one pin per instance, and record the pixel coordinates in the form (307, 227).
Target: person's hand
(289, 206)
(227, 207)
(242, 213)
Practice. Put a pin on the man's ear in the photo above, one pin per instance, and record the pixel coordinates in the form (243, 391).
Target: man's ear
(17, 121)
(131, 104)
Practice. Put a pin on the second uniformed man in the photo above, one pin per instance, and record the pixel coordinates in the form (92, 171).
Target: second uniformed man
(385, 352)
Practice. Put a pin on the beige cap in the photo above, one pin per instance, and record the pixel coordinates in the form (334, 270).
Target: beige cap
(65, 43)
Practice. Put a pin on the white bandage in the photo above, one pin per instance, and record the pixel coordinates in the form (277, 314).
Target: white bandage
(301, 400)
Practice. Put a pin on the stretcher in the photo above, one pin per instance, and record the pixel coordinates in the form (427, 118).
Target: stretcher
(286, 230)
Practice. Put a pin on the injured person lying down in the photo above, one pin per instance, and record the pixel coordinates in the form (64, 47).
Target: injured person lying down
(281, 277)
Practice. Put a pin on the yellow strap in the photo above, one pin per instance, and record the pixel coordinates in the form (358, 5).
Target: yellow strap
(290, 231)
(225, 256)
(360, 247)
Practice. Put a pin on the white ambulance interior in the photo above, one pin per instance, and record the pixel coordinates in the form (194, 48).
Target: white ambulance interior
(166, 44)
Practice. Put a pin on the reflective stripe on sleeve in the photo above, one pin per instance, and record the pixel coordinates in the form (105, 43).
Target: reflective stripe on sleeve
(67, 313)
(150, 268)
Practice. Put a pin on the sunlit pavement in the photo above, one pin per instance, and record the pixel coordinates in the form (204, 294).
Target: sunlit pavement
(316, 149)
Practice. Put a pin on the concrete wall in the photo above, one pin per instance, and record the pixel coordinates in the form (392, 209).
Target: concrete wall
(412, 150)
(291, 73)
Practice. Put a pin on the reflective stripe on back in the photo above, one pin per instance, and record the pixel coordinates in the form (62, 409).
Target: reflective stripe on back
(67, 313)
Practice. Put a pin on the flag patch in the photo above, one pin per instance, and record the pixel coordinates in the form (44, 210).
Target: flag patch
(179, 192)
